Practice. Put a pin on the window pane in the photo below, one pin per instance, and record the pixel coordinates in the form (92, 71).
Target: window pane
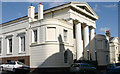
(65, 57)
(99, 44)
(65, 35)
(23, 43)
(10, 45)
(88, 54)
(35, 35)
(0, 46)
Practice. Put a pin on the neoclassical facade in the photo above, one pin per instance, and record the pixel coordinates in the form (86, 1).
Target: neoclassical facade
(50, 38)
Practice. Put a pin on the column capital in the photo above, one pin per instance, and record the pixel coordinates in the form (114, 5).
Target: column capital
(70, 20)
(67, 19)
(84, 24)
(76, 21)
(91, 27)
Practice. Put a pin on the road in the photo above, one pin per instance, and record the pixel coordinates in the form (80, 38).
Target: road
(4, 72)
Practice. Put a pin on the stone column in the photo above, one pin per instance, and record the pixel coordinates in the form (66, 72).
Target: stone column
(86, 42)
(79, 42)
(92, 43)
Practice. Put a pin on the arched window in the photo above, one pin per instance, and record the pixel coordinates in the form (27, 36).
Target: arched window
(65, 57)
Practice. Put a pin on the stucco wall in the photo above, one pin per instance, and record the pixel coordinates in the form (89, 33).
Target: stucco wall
(14, 29)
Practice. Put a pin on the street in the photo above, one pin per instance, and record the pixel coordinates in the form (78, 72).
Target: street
(5, 72)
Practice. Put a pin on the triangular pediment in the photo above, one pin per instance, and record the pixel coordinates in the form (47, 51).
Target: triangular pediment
(85, 7)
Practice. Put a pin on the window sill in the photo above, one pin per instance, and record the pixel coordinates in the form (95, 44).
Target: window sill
(9, 53)
(34, 43)
(66, 43)
(51, 41)
(22, 52)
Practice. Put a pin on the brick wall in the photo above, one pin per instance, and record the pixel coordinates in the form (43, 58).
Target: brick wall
(17, 58)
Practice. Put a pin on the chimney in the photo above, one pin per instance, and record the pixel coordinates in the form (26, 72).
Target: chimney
(108, 33)
(95, 33)
(40, 11)
(31, 13)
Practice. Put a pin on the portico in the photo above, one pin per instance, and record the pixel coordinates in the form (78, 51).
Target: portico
(85, 43)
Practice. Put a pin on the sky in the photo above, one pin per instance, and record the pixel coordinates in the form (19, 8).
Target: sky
(106, 11)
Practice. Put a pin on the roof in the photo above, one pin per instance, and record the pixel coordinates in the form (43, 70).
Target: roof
(75, 5)
(111, 38)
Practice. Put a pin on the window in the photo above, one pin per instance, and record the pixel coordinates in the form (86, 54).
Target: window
(116, 48)
(51, 34)
(99, 44)
(34, 36)
(0, 46)
(65, 57)
(105, 44)
(107, 58)
(88, 54)
(22, 44)
(9, 45)
(8, 61)
(21, 60)
(65, 35)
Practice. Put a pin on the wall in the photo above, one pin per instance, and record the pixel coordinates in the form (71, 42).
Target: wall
(47, 53)
(103, 53)
(15, 29)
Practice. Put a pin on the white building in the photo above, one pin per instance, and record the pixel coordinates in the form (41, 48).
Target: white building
(50, 38)
(107, 49)
(114, 53)
(102, 50)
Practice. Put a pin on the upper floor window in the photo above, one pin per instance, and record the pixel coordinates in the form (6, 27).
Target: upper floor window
(106, 44)
(22, 44)
(9, 50)
(65, 35)
(51, 34)
(99, 44)
(34, 36)
(107, 58)
(0, 46)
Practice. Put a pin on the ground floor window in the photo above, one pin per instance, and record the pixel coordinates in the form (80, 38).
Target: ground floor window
(22, 60)
(88, 55)
(8, 60)
(65, 57)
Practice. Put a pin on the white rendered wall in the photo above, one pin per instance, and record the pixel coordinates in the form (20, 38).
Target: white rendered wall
(15, 29)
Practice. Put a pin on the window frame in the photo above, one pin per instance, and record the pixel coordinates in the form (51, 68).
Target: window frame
(8, 45)
(33, 36)
(46, 33)
(98, 46)
(65, 35)
(20, 44)
(66, 57)
(0, 46)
